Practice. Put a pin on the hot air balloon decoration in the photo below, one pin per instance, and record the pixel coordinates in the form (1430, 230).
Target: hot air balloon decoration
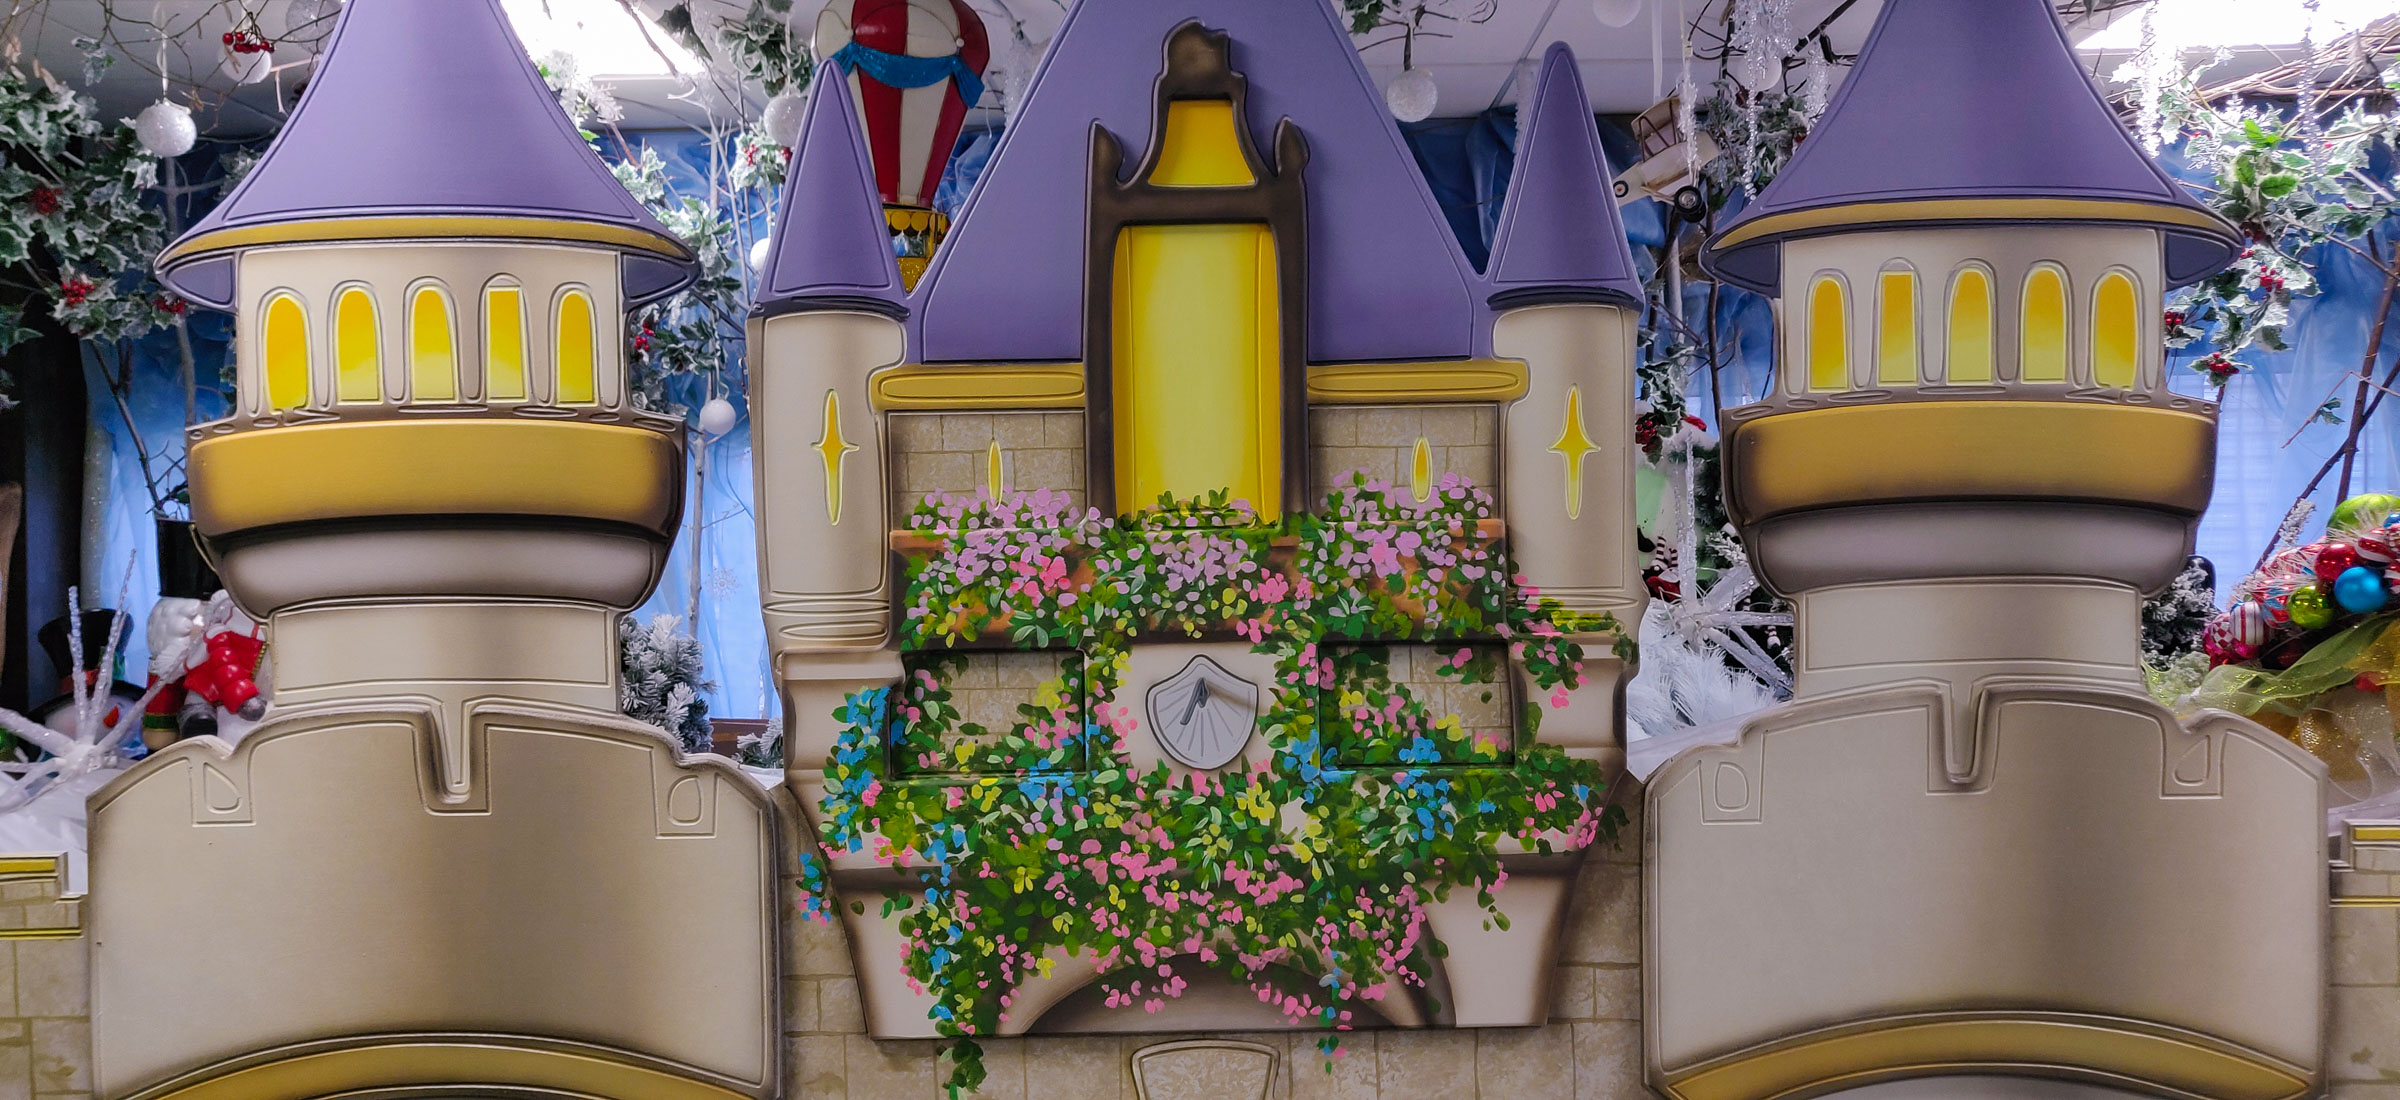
(915, 68)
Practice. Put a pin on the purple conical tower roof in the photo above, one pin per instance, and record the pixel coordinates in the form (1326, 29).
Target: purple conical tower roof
(1386, 278)
(1559, 237)
(1967, 112)
(426, 119)
(832, 249)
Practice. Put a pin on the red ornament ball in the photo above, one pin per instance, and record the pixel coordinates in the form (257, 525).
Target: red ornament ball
(2334, 558)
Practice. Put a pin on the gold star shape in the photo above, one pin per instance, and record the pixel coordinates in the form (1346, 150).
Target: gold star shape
(834, 448)
(1573, 444)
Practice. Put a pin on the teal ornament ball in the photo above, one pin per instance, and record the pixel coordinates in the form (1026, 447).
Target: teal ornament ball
(2360, 590)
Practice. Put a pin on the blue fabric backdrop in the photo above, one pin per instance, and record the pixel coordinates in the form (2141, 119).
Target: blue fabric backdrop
(1467, 163)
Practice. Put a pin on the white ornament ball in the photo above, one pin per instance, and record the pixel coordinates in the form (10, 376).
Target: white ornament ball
(310, 17)
(1758, 72)
(1616, 13)
(247, 68)
(758, 253)
(717, 417)
(782, 118)
(165, 129)
(1412, 96)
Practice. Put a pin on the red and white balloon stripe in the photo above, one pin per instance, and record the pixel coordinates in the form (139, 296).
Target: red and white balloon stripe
(910, 131)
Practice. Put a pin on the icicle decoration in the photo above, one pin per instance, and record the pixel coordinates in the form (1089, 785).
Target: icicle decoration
(2150, 68)
(1687, 96)
(1762, 34)
(1817, 92)
(2305, 101)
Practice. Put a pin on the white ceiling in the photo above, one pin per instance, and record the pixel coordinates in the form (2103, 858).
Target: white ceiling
(1475, 66)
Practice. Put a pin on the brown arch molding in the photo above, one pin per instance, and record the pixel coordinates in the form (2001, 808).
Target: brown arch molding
(2144, 1058)
(403, 1067)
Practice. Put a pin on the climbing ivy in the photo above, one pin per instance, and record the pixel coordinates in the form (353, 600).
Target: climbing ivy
(1305, 873)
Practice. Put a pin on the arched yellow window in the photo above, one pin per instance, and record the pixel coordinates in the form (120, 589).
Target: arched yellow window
(432, 346)
(504, 342)
(1970, 336)
(1896, 327)
(2116, 332)
(283, 352)
(357, 346)
(578, 369)
(1828, 335)
(2042, 338)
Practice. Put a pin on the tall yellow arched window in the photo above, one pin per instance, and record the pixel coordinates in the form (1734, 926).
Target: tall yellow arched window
(432, 346)
(283, 352)
(1828, 338)
(1970, 332)
(1896, 327)
(2116, 332)
(357, 346)
(2042, 337)
(578, 367)
(504, 342)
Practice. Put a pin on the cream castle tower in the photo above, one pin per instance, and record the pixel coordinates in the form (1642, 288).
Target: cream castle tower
(1972, 847)
(444, 860)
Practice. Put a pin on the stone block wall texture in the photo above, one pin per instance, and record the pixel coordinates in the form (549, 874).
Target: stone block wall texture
(1382, 440)
(1486, 712)
(45, 986)
(2362, 1052)
(951, 453)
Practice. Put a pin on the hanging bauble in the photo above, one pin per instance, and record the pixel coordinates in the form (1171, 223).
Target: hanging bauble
(2363, 510)
(1616, 13)
(165, 129)
(1758, 72)
(2360, 590)
(758, 253)
(2335, 559)
(312, 18)
(1412, 95)
(2247, 622)
(717, 417)
(782, 118)
(2309, 608)
(248, 57)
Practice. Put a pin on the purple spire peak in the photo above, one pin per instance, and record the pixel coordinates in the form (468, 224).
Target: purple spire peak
(832, 248)
(427, 123)
(1966, 112)
(1560, 238)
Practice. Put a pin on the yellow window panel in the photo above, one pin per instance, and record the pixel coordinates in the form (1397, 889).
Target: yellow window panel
(283, 352)
(1201, 148)
(357, 347)
(2043, 347)
(1198, 365)
(432, 347)
(2116, 332)
(504, 343)
(1896, 329)
(1828, 336)
(578, 373)
(1970, 358)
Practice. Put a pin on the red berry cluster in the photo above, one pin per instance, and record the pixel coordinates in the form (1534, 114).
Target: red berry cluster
(641, 340)
(76, 289)
(171, 304)
(2174, 319)
(2219, 367)
(248, 42)
(44, 200)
